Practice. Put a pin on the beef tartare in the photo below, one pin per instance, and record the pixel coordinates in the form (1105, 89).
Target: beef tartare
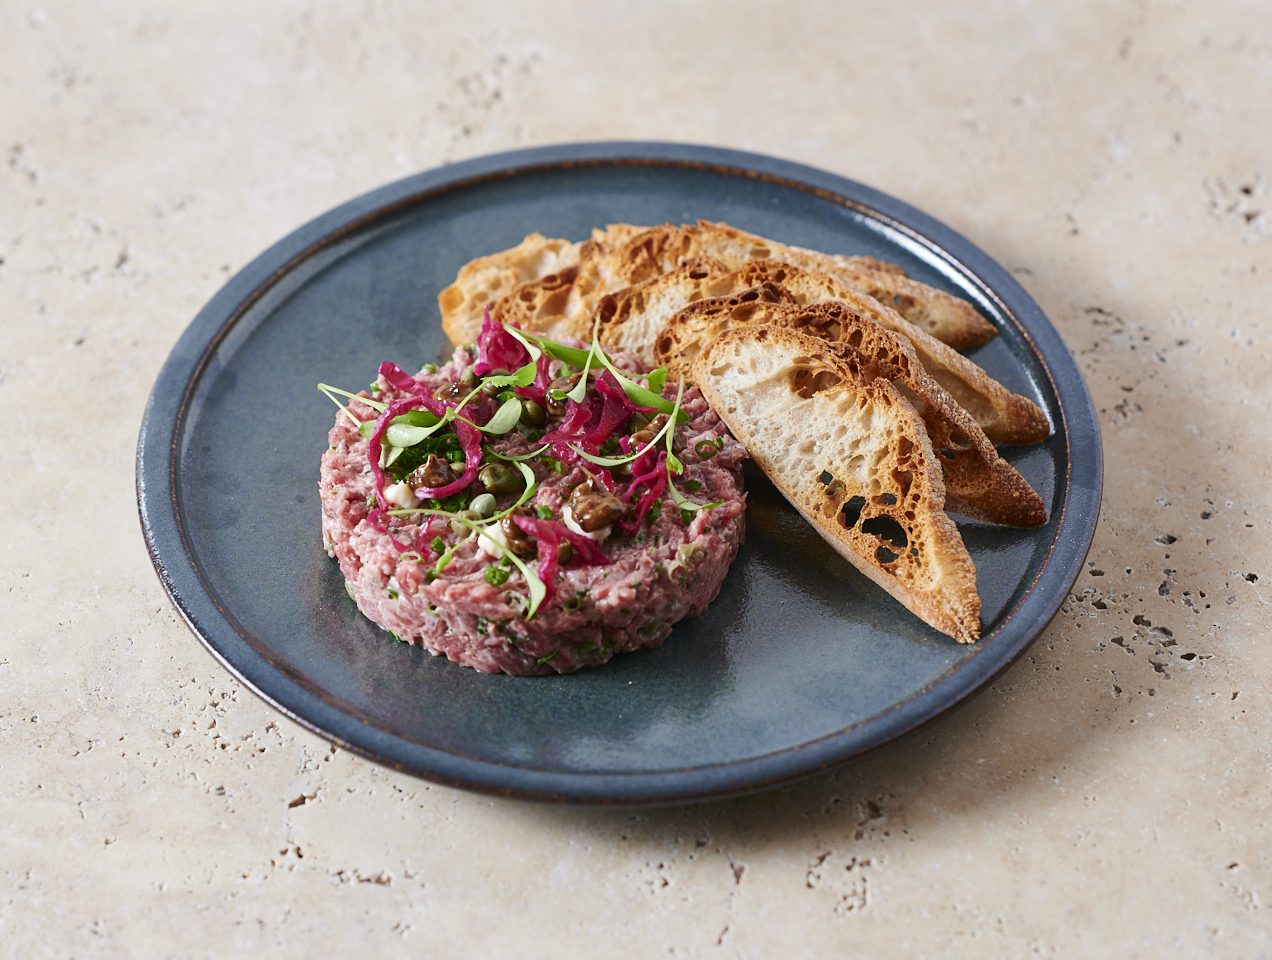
(531, 507)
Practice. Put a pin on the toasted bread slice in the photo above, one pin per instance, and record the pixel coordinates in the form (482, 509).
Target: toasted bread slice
(660, 249)
(978, 482)
(1006, 417)
(853, 457)
(631, 318)
(622, 255)
(489, 279)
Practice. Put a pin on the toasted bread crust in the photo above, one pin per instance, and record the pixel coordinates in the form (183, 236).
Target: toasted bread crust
(1006, 417)
(490, 278)
(631, 318)
(978, 482)
(622, 255)
(944, 316)
(854, 458)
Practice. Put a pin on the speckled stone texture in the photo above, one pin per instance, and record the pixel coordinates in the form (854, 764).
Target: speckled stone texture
(1108, 797)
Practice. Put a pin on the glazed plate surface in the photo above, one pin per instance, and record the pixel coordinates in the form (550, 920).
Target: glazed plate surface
(801, 663)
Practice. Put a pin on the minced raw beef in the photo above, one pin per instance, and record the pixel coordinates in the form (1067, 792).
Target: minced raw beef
(445, 579)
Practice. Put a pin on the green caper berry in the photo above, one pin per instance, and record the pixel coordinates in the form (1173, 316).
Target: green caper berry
(483, 505)
(533, 414)
(497, 478)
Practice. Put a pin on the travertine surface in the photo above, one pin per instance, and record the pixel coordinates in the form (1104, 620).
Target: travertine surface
(1109, 797)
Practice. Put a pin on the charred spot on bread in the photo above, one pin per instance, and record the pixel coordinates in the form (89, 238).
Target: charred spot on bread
(886, 528)
(886, 557)
(850, 512)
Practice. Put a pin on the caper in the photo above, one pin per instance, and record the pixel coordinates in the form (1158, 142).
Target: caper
(468, 378)
(565, 550)
(483, 505)
(555, 400)
(594, 507)
(497, 478)
(533, 414)
(433, 472)
(518, 541)
(491, 389)
(639, 422)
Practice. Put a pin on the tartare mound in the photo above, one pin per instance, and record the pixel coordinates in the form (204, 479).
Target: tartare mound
(601, 558)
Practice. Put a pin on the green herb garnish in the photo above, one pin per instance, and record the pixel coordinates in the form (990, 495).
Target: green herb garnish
(666, 431)
(496, 576)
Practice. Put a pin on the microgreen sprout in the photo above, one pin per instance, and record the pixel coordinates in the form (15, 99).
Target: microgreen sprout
(505, 418)
(687, 506)
(520, 457)
(330, 393)
(637, 394)
(636, 455)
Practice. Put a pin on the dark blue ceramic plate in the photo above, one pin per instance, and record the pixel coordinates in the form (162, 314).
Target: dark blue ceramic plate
(801, 662)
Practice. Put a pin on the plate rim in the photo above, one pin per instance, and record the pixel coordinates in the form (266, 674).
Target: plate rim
(1020, 626)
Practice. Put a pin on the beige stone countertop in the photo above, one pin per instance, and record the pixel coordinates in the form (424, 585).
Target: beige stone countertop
(1109, 796)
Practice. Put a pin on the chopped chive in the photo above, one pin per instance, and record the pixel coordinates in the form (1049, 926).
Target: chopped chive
(706, 449)
(686, 516)
(438, 545)
(545, 513)
(496, 575)
(655, 511)
(693, 485)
